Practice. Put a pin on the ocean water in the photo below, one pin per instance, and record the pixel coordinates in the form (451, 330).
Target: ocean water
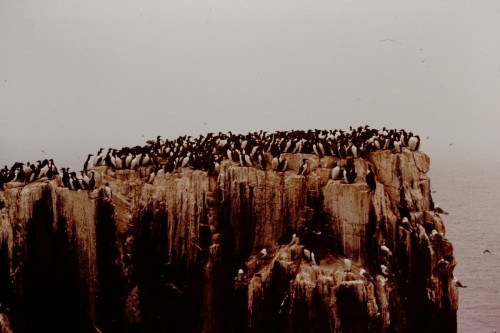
(470, 191)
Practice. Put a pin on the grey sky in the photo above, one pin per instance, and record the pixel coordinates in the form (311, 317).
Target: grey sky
(79, 75)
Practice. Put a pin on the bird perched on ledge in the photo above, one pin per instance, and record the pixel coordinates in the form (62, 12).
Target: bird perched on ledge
(92, 181)
(385, 271)
(257, 149)
(347, 264)
(365, 274)
(107, 192)
(304, 168)
(295, 240)
(370, 179)
(458, 283)
(385, 249)
(240, 275)
(439, 210)
(335, 171)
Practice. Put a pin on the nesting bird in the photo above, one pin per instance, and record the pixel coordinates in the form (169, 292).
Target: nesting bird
(370, 179)
(239, 277)
(385, 249)
(304, 168)
(347, 264)
(335, 171)
(307, 254)
(92, 181)
(295, 240)
(107, 192)
(313, 259)
(385, 271)
(439, 210)
(458, 283)
(443, 263)
(405, 223)
(365, 274)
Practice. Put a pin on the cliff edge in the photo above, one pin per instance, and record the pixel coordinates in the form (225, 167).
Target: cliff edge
(246, 250)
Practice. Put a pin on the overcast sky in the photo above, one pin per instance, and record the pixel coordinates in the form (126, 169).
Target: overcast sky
(79, 75)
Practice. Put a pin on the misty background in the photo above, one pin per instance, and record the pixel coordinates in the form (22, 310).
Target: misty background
(79, 75)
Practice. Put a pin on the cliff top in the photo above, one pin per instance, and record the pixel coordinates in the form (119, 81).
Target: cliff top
(258, 149)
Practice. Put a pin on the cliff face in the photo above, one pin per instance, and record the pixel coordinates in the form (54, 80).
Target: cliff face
(164, 257)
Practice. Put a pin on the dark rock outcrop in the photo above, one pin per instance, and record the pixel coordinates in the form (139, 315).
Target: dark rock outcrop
(164, 257)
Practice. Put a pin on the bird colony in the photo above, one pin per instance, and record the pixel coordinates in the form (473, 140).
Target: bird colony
(264, 150)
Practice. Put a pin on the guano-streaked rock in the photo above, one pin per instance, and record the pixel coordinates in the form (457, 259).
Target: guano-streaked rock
(164, 256)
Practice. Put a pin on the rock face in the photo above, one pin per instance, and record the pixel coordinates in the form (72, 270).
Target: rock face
(164, 257)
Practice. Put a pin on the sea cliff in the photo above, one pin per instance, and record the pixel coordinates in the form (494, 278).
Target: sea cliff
(164, 256)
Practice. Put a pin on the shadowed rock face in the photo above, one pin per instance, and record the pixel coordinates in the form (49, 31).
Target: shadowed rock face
(164, 257)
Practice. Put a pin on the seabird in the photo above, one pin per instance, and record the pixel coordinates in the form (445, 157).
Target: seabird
(52, 169)
(99, 157)
(350, 174)
(439, 210)
(274, 163)
(263, 253)
(385, 249)
(458, 283)
(307, 254)
(35, 171)
(486, 251)
(44, 168)
(347, 264)
(112, 159)
(262, 161)
(213, 167)
(414, 143)
(239, 277)
(370, 179)
(135, 162)
(304, 167)
(65, 177)
(282, 165)
(443, 263)
(385, 271)
(75, 182)
(128, 160)
(27, 171)
(405, 223)
(107, 192)
(295, 240)
(152, 176)
(436, 235)
(313, 259)
(118, 161)
(247, 160)
(186, 160)
(335, 171)
(86, 164)
(365, 274)
(397, 147)
(354, 150)
(20, 174)
(92, 181)
(85, 179)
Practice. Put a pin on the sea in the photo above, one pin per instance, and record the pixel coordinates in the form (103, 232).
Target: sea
(469, 189)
